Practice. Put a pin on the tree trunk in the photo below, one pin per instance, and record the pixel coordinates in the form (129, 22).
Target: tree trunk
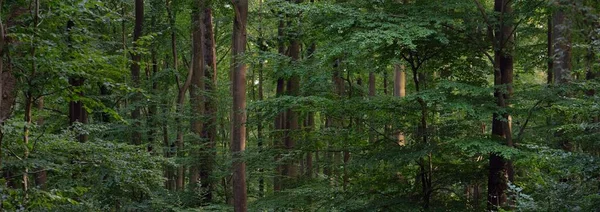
(561, 44)
(40, 172)
(550, 71)
(136, 137)
(238, 124)
(279, 125)
(500, 169)
(372, 92)
(293, 89)
(196, 94)
(209, 133)
(400, 92)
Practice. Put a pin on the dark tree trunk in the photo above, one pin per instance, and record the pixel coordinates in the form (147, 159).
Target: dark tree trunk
(196, 94)
(550, 71)
(280, 118)
(561, 45)
(209, 131)
(500, 169)
(136, 137)
(238, 127)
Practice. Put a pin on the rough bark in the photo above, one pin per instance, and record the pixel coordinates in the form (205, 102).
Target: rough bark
(238, 81)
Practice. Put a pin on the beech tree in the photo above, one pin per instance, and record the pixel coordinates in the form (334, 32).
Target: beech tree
(348, 105)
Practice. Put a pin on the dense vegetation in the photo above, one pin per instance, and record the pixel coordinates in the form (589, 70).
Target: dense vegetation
(291, 105)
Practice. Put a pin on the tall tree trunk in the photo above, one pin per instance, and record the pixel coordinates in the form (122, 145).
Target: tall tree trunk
(77, 112)
(40, 173)
(561, 44)
(400, 92)
(259, 128)
(153, 108)
(500, 169)
(280, 118)
(209, 133)
(372, 92)
(182, 89)
(550, 71)
(293, 89)
(136, 137)
(238, 124)
(196, 94)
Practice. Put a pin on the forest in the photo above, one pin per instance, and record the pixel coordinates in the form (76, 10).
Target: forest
(299, 105)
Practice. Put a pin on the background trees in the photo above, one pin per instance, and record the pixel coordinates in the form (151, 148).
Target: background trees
(306, 114)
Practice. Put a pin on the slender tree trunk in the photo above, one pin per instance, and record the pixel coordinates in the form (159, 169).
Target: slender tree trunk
(77, 112)
(500, 169)
(400, 92)
(238, 124)
(372, 92)
(179, 143)
(293, 89)
(136, 137)
(550, 71)
(153, 108)
(260, 134)
(210, 73)
(26, 132)
(280, 118)
(40, 173)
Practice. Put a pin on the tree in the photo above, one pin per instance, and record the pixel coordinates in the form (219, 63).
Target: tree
(136, 59)
(238, 114)
(500, 169)
(209, 132)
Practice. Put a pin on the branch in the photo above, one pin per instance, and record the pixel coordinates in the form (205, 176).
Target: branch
(486, 19)
(529, 114)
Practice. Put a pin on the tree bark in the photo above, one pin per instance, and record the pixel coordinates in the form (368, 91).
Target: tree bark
(238, 127)
(279, 124)
(400, 92)
(550, 71)
(561, 45)
(209, 133)
(500, 169)
(136, 137)
(196, 94)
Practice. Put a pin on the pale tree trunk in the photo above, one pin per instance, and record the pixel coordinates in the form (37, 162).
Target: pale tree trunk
(399, 92)
(29, 100)
(238, 124)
